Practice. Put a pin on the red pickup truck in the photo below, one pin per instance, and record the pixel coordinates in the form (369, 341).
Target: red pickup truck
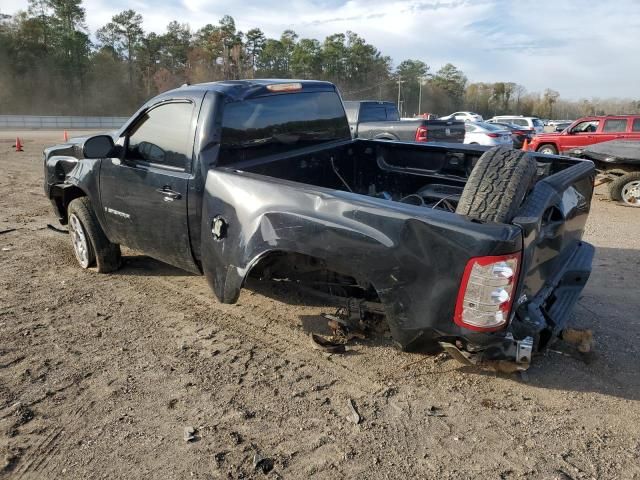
(587, 131)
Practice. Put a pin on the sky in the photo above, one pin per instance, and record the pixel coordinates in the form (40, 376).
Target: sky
(582, 48)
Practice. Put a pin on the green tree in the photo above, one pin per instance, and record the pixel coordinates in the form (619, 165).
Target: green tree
(306, 59)
(413, 74)
(254, 43)
(450, 80)
(123, 34)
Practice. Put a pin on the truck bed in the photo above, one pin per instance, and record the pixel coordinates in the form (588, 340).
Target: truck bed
(383, 214)
(405, 130)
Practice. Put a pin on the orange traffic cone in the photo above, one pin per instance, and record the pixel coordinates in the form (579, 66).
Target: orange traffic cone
(65, 136)
(18, 145)
(525, 145)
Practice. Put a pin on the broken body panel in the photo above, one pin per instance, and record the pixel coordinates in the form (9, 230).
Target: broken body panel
(342, 203)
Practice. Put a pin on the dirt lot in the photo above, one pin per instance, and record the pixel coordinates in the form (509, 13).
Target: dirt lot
(100, 374)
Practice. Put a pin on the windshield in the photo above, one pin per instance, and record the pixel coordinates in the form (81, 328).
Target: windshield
(279, 124)
(538, 123)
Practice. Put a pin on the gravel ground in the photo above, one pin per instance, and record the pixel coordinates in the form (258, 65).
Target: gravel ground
(101, 374)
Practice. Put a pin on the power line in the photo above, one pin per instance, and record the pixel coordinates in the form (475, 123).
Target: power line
(369, 88)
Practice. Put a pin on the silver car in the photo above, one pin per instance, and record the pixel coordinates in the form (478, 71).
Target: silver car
(483, 133)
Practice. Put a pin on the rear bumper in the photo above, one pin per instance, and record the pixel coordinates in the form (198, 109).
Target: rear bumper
(536, 321)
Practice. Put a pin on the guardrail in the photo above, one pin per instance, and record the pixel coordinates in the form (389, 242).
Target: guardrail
(59, 122)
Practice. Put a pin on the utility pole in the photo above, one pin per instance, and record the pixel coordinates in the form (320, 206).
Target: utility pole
(400, 82)
(420, 97)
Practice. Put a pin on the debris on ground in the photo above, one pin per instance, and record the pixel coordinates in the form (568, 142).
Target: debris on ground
(434, 411)
(354, 416)
(320, 343)
(344, 328)
(8, 230)
(56, 229)
(582, 339)
(189, 434)
(262, 463)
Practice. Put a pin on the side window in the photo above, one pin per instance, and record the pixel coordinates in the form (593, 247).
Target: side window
(615, 125)
(162, 136)
(520, 121)
(392, 114)
(372, 113)
(636, 125)
(588, 126)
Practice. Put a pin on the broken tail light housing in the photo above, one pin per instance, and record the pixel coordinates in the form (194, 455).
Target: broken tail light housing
(486, 292)
(284, 87)
(421, 134)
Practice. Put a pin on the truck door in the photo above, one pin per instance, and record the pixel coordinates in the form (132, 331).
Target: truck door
(583, 134)
(144, 192)
(635, 130)
(613, 129)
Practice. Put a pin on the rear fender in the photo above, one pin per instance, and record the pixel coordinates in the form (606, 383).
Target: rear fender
(413, 257)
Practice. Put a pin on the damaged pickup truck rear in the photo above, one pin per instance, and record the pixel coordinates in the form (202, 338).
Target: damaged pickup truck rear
(458, 247)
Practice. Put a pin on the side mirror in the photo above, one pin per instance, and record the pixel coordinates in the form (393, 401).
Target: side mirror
(100, 146)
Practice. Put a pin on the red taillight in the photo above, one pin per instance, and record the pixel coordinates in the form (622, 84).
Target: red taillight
(493, 135)
(486, 292)
(421, 134)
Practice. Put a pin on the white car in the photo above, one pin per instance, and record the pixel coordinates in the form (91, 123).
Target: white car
(534, 123)
(463, 117)
(483, 133)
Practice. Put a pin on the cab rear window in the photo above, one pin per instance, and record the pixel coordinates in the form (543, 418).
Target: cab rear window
(277, 124)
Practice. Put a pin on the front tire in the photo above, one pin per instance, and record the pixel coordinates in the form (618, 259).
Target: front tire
(547, 149)
(90, 244)
(627, 189)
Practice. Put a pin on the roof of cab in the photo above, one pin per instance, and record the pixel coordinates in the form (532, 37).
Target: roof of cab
(243, 89)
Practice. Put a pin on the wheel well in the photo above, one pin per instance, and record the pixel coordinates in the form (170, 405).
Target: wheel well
(63, 196)
(551, 144)
(306, 269)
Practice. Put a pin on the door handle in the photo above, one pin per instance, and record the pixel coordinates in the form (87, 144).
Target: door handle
(169, 195)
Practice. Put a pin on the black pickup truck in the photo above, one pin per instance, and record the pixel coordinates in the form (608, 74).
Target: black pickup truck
(381, 121)
(473, 250)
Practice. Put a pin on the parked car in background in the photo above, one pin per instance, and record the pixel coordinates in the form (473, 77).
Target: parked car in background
(555, 123)
(464, 117)
(518, 134)
(588, 131)
(618, 164)
(483, 133)
(381, 121)
(531, 122)
(560, 126)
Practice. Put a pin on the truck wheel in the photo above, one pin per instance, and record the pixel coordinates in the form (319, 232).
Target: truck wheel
(90, 244)
(547, 149)
(497, 185)
(626, 188)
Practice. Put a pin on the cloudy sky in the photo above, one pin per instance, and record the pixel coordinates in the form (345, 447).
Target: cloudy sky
(582, 48)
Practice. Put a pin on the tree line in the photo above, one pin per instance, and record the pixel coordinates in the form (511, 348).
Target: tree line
(53, 65)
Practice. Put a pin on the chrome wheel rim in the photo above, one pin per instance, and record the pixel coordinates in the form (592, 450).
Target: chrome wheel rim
(547, 151)
(631, 193)
(79, 240)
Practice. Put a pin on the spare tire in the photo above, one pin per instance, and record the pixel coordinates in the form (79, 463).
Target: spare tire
(497, 185)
